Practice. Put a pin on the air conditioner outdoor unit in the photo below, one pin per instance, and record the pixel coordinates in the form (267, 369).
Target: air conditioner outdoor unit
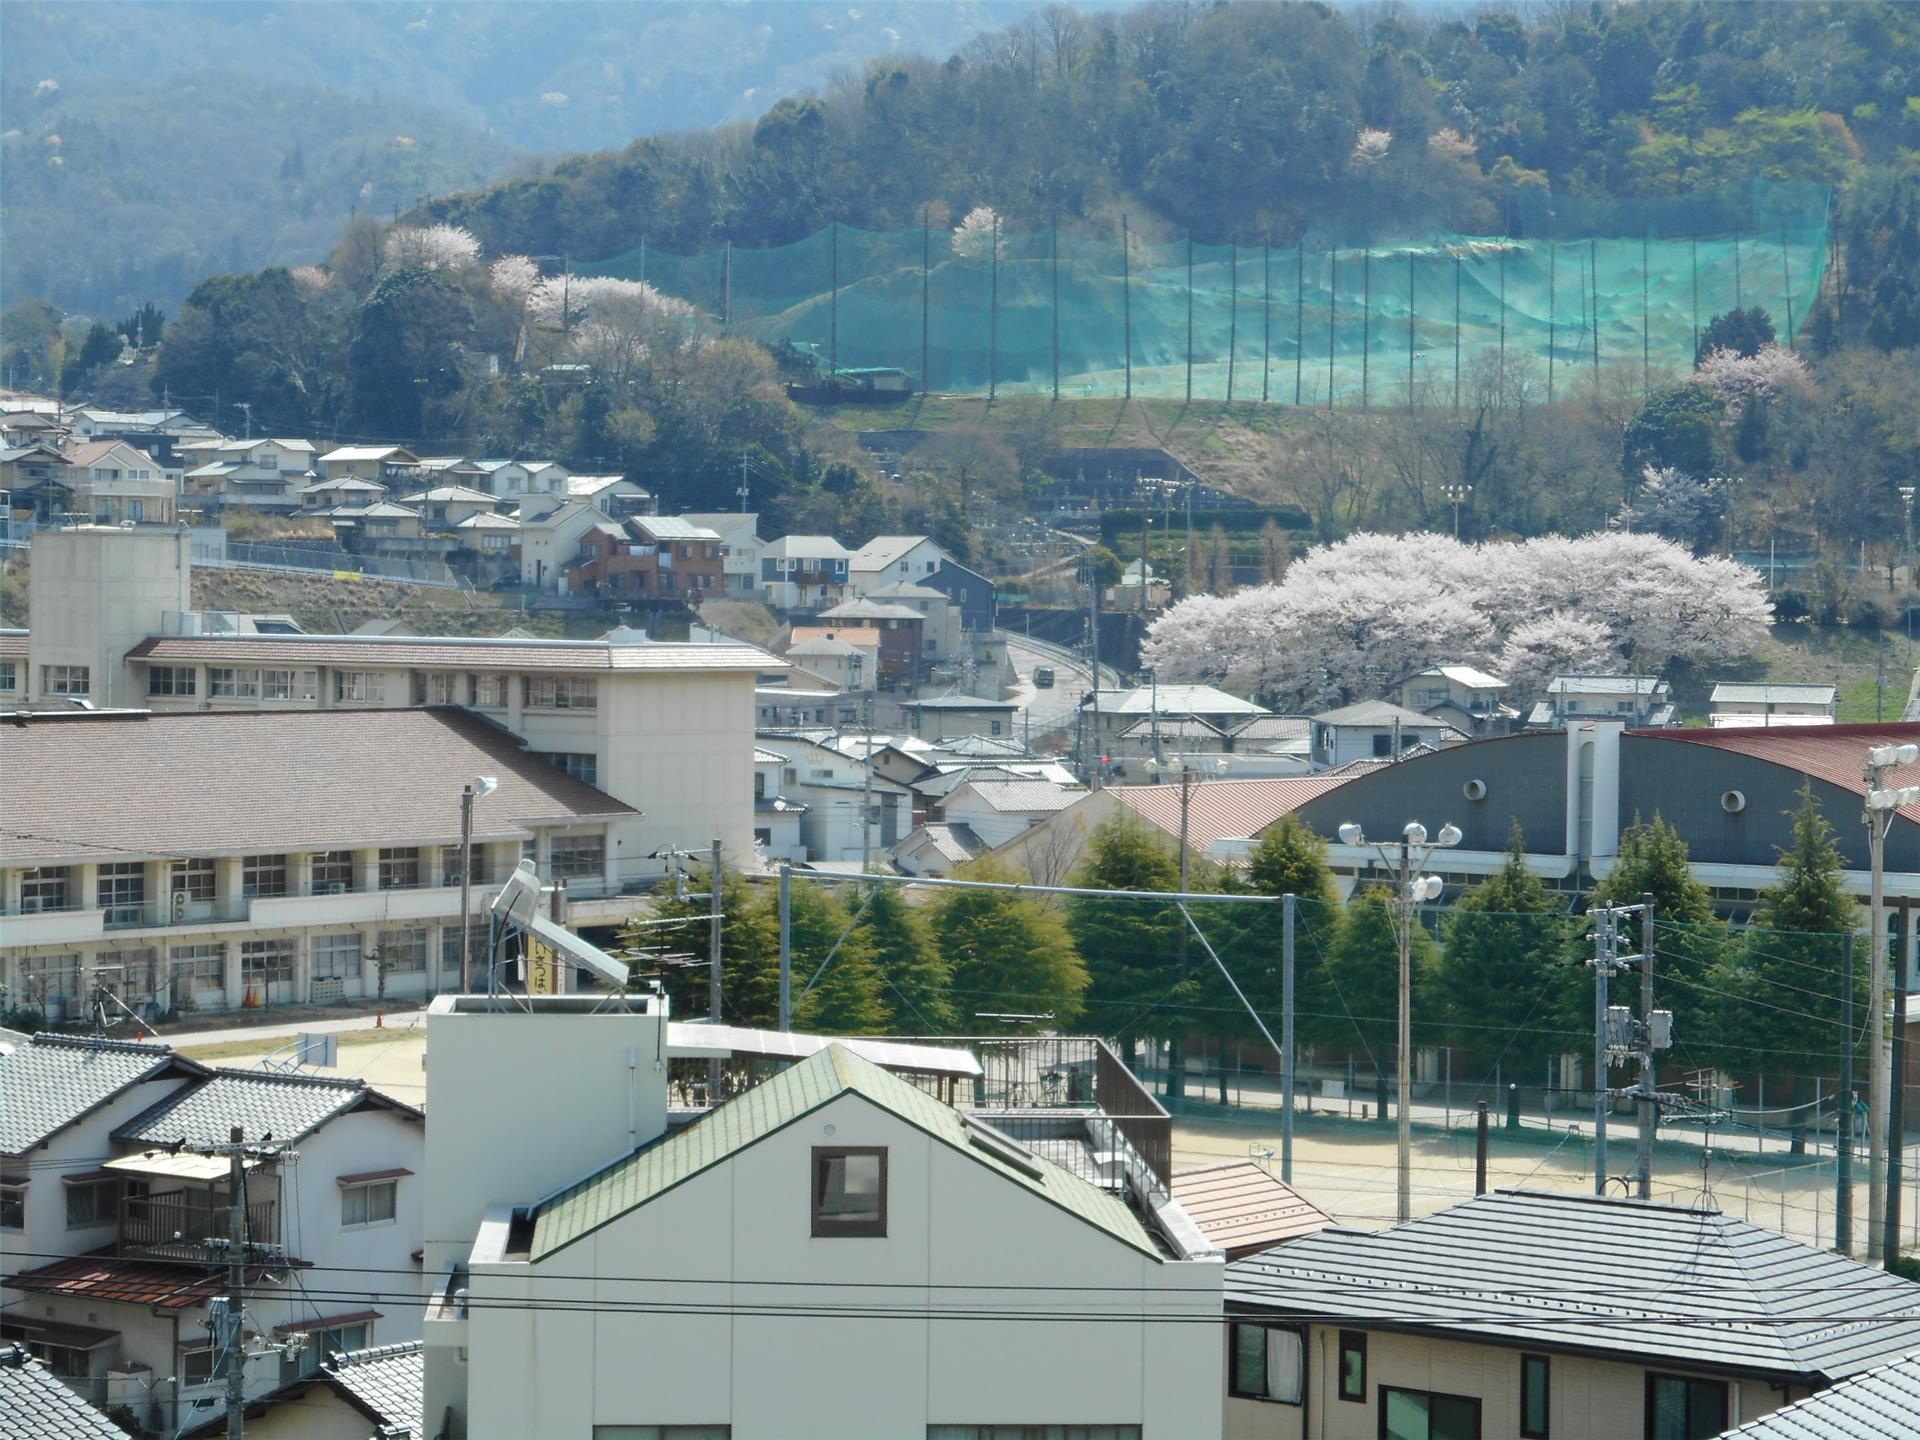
(181, 899)
(336, 887)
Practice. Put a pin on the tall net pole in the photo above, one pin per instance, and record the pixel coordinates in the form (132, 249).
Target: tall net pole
(926, 300)
(1503, 327)
(1366, 325)
(833, 303)
(1593, 295)
(1299, 315)
(993, 315)
(1786, 284)
(1693, 244)
(1053, 258)
(1553, 261)
(1266, 314)
(1409, 328)
(1333, 315)
(1233, 312)
(1646, 331)
(1189, 317)
(1458, 265)
(1126, 298)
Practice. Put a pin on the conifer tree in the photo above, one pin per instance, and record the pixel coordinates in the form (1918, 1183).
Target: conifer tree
(749, 950)
(1010, 954)
(1131, 947)
(1362, 972)
(846, 998)
(918, 980)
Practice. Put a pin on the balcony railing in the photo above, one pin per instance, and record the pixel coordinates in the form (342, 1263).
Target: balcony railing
(177, 1228)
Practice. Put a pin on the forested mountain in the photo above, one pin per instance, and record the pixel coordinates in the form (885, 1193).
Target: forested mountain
(149, 145)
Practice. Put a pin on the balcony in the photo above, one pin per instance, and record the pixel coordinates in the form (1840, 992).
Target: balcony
(178, 908)
(188, 1225)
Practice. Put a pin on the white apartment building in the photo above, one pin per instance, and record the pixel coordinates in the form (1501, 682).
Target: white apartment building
(136, 1217)
(234, 861)
(838, 1247)
(740, 546)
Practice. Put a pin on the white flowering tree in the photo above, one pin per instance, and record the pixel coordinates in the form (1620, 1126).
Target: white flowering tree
(1769, 373)
(1370, 147)
(616, 326)
(1673, 503)
(1351, 619)
(511, 278)
(431, 247)
(973, 236)
(1558, 643)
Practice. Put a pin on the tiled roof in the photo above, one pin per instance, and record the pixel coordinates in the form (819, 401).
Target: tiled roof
(669, 527)
(955, 843)
(363, 452)
(980, 745)
(1658, 1283)
(1244, 1209)
(906, 590)
(1603, 685)
(1021, 796)
(770, 1107)
(262, 1103)
(33, 1403)
(14, 642)
(871, 610)
(1222, 809)
(441, 652)
(54, 1080)
(883, 550)
(1878, 1404)
(1167, 727)
(388, 1380)
(1380, 712)
(959, 702)
(267, 782)
(1465, 675)
(1272, 727)
(1174, 700)
(455, 493)
(843, 634)
(1836, 754)
(1731, 693)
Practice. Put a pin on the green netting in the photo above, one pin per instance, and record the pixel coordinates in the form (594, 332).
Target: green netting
(1580, 285)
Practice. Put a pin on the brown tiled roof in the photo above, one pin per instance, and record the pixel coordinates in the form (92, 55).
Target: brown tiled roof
(1222, 809)
(13, 643)
(163, 1284)
(105, 785)
(1243, 1209)
(1836, 754)
(444, 653)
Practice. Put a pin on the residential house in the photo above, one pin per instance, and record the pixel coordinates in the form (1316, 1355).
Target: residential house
(836, 790)
(804, 572)
(1456, 1324)
(999, 810)
(383, 528)
(937, 849)
(1876, 1404)
(1244, 1208)
(496, 538)
(550, 540)
(647, 557)
(335, 1187)
(347, 490)
(39, 1403)
(846, 1169)
(1374, 730)
(949, 716)
(614, 496)
(1141, 589)
(264, 474)
(513, 478)
(190, 886)
(1768, 704)
(776, 819)
(1470, 700)
(889, 559)
(972, 593)
(902, 637)
(354, 1393)
(438, 470)
(847, 659)
(943, 641)
(388, 465)
(739, 547)
(1642, 700)
(798, 706)
(1112, 712)
(116, 484)
(445, 506)
(34, 477)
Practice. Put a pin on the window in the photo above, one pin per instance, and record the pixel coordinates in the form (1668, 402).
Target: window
(13, 1207)
(289, 684)
(1682, 1408)
(332, 872)
(197, 1367)
(66, 680)
(123, 891)
(9, 677)
(560, 692)
(225, 682)
(400, 868)
(193, 878)
(1382, 745)
(1267, 1362)
(356, 1336)
(43, 889)
(685, 1432)
(369, 1204)
(266, 962)
(1353, 1365)
(1424, 1415)
(92, 1203)
(490, 692)
(170, 680)
(47, 976)
(437, 687)
(366, 687)
(1535, 1388)
(578, 857)
(1023, 1432)
(581, 765)
(336, 957)
(264, 876)
(204, 967)
(450, 864)
(849, 1191)
(403, 952)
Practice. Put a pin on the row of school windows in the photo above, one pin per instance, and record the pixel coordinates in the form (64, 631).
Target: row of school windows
(1269, 1363)
(360, 687)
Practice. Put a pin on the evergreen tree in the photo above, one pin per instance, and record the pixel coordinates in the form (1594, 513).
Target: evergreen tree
(1010, 953)
(1506, 986)
(847, 996)
(1783, 993)
(1289, 859)
(917, 978)
(1362, 972)
(1744, 331)
(1137, 990)
(749, 951)
(1690, 940)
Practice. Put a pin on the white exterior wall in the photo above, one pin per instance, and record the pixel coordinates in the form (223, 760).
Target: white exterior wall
(996, 827)
(1588, 1398)
(98, 592)
(548, 543)
(680, 750)
(919, 563)
(953, 1224)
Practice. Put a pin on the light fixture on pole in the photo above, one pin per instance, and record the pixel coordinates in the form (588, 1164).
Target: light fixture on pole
(1186, 772)
(1410, 890)
(1882, 802)
(474, 789)
(1456, 493)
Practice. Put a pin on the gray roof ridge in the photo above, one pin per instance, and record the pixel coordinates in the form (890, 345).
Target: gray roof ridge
(343, 1359)
(102, 1042)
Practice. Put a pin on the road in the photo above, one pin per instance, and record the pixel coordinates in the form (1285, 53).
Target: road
(1046, 711)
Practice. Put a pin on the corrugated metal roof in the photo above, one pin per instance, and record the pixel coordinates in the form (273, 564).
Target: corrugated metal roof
(1223, 809)
(1381, 713)
(1656, 1282)
(451, 653)
(670, 527)
(191, 783)
(34, 1403)
(262, 1103)
(1878, 1404)
(771, 1106)
(1023, 795)
(1465, 675)
(1603, 684)
(1172, 700)
(54, 1080)
(1243, 1209)
(162, 1284)
(1836, 754)
(1729, 692)
(389, 1380)
(798, 1045)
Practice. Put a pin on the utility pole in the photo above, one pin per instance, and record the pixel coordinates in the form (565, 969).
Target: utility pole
(1896, 1119)
(234, 1343)
(1126, 311)
(714, 879)
(1604, 940)
(1843, 1132)
(866, 797)
(786, 946)
(1881, 804)
(1093, 754)
(1649, 1087)
(1616, 1035)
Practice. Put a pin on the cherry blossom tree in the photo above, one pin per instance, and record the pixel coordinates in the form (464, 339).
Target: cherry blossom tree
(1676, 505)
(1768, 373)
(1558, 643)
(511, 278)
(617, 326)
(431, 247)
(1370, 147)
(973, 237)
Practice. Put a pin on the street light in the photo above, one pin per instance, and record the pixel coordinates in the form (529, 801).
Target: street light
(1457, 493)
(1186, 772)
(1410, 890)
(474, 789)
(1882, 802)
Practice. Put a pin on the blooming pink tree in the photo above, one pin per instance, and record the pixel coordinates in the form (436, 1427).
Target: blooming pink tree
(431, 247)
(1739, 379)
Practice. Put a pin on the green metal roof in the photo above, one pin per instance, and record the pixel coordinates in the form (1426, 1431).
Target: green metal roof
(770, 1107)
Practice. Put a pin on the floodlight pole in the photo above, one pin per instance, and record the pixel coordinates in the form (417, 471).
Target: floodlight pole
(714, 879)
